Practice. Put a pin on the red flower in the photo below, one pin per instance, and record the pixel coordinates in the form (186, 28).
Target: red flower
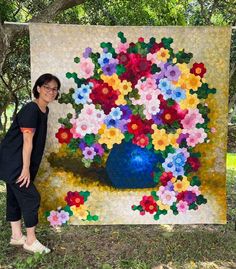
(169, 115)
(198, 69)
(123, 58)
(172, 113)
(141, 140)
(64, 135)
(74, 198)
(166, 177)
(194, 163)
(180, 196)
(156, 47)
(104, 95)
(141, 39)
(136, 68)
(135, 126)
(148, 204)
(148, 126)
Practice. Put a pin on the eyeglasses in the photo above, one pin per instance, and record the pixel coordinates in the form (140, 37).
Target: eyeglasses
(49, 89)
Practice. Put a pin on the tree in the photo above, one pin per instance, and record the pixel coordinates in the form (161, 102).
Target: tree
(14, 9)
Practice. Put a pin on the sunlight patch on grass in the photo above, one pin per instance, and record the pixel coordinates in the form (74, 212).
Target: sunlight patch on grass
(231, 161)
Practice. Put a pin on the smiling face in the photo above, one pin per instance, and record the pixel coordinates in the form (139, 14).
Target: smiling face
(48, 91)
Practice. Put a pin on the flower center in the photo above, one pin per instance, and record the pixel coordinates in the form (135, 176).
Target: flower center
(105, 90)
(198, 70)
(77, 200)
(167, 116)
(134, 126)
(64, 135)
(84, 127)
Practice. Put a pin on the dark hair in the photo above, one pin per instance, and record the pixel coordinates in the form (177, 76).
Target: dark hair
(45, 78)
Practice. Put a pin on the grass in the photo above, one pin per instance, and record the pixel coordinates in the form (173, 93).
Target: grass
(129, 246)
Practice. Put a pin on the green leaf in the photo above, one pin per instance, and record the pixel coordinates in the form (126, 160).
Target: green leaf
(85, 194)
(89, 139)
(195, 181)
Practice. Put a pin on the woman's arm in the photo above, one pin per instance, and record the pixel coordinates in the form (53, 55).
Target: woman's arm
(24, 177)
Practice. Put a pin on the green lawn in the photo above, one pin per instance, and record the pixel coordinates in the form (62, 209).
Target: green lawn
(130, 246)
(231, 160)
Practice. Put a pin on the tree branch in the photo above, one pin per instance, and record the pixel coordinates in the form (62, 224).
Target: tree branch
(54, 9)
(8, 32)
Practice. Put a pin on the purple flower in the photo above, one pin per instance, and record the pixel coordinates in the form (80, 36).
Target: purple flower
(169, 186)
(87, 52)
(82, 145)
(89, 153)
(182, 137)
(172, 73)
(190, 197)
(159, 75)
(63, 216)
(157, 118)
(109, 69)
(126, 112)
(122, 125)
(98, 149)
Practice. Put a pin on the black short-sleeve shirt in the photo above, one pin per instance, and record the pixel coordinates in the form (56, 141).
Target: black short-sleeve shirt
(11, 160)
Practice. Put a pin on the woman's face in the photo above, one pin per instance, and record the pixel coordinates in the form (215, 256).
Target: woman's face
(48, 91)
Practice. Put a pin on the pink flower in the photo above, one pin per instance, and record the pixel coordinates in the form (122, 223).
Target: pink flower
(194, 189)
(182, 206)
(148, 84)
(82, 127)
(86, 68)
(64, 216)
(89, 153)
(191, 119)
(152, 57)
(88, 110)
(122, 47)
(168, 197)
(54, 218)
(73, 129)
(213, 130)
(196, 136)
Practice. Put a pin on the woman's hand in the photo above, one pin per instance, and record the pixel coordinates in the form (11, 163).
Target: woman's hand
(24, 177)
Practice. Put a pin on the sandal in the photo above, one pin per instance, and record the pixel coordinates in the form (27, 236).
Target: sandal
(36, 247)
(18, 242)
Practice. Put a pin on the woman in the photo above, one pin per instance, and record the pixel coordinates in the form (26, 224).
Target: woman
(20, 155)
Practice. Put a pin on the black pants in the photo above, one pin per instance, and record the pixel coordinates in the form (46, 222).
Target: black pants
(22, 201)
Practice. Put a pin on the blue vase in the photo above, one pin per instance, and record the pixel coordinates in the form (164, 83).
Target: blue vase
(130, 166)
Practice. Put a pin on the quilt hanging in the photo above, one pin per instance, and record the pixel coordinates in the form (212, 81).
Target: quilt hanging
(138, 135)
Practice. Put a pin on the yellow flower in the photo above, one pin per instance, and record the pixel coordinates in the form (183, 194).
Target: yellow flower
(193, 82)
(102, 129)
(175, 60)
(182, 82)
(163, 55)
(110, 137)
(181, 185)
(162, 206)
(80, 212)
(120, 100)
(173, 138)
(112, 81)
(173, 180)
(159, 139)
(125, 87)
(191, 101)
(183, 68)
